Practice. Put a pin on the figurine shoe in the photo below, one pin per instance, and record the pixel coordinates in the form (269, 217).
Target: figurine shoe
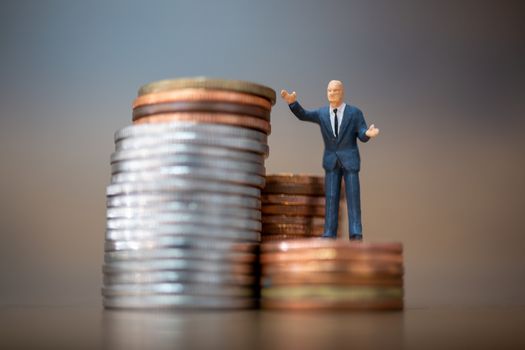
(327, 235)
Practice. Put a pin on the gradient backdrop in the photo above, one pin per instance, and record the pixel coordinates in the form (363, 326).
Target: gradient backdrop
(443, 80)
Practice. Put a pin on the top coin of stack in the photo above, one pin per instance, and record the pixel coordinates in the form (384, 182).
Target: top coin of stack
(230, 102)
(184, 210)
(331, 274)
(293, 206)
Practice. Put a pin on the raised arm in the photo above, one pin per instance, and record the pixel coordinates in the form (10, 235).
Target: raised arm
(298, 110)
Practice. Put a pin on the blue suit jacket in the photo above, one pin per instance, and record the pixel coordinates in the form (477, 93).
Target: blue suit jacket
(344, 148)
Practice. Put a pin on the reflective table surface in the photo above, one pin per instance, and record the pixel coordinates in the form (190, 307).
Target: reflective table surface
(92, 327)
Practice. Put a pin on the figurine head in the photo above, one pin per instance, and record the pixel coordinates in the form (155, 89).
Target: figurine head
(335, 93)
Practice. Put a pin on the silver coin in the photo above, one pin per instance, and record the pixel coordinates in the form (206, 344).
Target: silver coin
(136, 130)
(193, 138)
(182, 242)
(140, 200)
(178, 264)
(179, 276)
(172, 208)
(187, 149)
(182, 185)
(177, 289)
(177, 302)
(155, 221)
(191, 172)
(165, 232)
(158, 163)
(174, 253)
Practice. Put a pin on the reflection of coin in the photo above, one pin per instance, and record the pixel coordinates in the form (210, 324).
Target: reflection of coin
(179, 276)
(176, 289)
(288, 199)
(201, 106)
(215, 118)
(190, 95)
(295, 210)
(209, 84)
(177, 302)
(154, 200)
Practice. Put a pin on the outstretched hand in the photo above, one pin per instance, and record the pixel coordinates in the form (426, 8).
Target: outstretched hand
(289, 98)
(372, 131)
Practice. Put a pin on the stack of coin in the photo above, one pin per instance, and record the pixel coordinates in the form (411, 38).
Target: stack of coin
(293, 206)
(331, 274)
(183, 206)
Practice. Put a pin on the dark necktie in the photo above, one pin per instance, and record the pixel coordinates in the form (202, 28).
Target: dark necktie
(336, 123)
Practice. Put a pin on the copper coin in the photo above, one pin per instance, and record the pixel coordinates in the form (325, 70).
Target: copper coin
(293, 210)
(189, 95)
(279, 238)
(339, 254)
(333, 243)
(328, 279)
(304, 305)
(210, 83)
(298, 220)
(294, 189)
(298, 229)
(332, 293)
(201, 106)
(304, 179)
(288, 199)
(318, 233)
(328, 266)
(212, 118)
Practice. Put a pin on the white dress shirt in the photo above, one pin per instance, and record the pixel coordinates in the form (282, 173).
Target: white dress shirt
(340, 113)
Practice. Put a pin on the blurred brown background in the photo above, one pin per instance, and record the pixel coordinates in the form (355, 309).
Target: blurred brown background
(443, 80)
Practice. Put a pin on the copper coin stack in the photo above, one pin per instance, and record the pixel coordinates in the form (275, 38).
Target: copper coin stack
(183, 206)
(293, 206)
(331, 274)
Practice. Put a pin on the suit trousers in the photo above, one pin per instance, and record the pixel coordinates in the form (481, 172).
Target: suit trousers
(333, 179)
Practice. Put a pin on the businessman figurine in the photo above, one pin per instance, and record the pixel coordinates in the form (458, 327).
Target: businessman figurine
(341, 125)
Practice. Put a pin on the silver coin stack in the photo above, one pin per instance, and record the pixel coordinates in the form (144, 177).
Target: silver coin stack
(184, 216)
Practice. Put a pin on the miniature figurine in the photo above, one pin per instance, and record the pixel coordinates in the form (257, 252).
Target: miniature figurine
(341, 125)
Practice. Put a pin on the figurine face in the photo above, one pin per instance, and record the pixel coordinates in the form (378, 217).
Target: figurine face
(335, 92)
